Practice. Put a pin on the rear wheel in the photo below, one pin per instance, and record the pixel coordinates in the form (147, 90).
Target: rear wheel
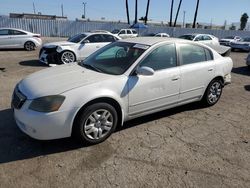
(67, 57)
(29, 46)
(96, 123)
(213, 92)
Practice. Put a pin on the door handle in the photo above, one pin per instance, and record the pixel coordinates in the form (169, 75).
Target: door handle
(176, 78)
(210, 69)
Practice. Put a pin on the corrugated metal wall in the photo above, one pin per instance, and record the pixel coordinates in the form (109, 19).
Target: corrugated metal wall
(60, 28)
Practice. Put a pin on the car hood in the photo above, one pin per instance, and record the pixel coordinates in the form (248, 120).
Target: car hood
(61, 43)
(59, 79)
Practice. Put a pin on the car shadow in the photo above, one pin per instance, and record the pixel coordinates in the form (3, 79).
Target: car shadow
(32, 63)
(18, 146)
(241, 70)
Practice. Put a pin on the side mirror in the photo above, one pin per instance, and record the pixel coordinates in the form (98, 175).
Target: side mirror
(86, 41)
(145, 71)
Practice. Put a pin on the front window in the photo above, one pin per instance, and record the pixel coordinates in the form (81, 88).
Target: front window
(161, 58)
(114, 58)
(4, 32)
(77, 38)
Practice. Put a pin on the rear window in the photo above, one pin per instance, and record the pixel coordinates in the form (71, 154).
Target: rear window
(192, 54)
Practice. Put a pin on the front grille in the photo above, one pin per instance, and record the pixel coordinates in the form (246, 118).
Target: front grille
(18, 99)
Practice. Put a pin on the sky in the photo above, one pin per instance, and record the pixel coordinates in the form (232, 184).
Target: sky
(215, 11)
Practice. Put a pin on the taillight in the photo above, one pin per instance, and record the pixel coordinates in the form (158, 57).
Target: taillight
(37, 36)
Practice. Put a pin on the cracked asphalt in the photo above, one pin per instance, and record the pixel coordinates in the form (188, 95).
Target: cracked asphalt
(188, 146)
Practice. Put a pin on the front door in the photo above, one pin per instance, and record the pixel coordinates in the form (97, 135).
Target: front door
(149, 93)
(96, 42)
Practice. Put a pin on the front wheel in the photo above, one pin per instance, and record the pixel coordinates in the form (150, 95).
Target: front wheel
(67, 57)
(213, 93)
(96, 123)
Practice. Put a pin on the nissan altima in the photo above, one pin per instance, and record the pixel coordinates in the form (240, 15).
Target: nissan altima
(121, 81)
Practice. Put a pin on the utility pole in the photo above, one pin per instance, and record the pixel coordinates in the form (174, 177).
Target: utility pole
(184, 18)
(62, 9)
(34, 8)
(84, 10)
(171, 13)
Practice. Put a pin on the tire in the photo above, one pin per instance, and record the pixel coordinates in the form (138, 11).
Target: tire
(213, 93)
(96, 123)
(67, 57)
(29, 46)
(248, 66)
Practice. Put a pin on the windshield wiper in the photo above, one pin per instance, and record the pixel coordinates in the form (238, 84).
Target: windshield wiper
(88, 66)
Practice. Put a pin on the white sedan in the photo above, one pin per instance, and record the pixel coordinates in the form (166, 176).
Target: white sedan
(17, 38)
(162, 35)
(76, 48)
(123, 80)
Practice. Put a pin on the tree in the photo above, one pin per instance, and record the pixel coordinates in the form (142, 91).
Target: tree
(243, 21)
(171, 13)
(136, 3)
(146, 16)
(127, 10)
(177, 13)
(196, 12)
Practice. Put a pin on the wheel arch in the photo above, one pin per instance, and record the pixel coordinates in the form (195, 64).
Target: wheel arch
(108, 100)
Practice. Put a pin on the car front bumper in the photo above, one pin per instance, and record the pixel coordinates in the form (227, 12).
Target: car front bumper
(44, 126)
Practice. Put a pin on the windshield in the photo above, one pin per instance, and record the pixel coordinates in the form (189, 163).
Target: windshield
(77, 38)
(187, 37)
(114, 58)
(229, 37)
(115, 31)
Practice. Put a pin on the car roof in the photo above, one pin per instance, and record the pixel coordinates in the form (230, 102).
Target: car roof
(151, 40)
(93, 33)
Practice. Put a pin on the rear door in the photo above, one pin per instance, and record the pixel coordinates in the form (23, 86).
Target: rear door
(197, 69)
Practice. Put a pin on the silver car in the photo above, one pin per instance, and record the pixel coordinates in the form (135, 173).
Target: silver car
(121, 81)
(242, 45)
(17, 38)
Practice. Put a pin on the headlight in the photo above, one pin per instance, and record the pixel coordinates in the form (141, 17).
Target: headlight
(59, 49)
(47, 104)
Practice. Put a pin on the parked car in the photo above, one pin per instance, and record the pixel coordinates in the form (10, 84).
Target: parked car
(227, 40)
(125, 33)
(121, 81)
(17, 38)
(210, 41)
(76, 48)
(242, 45)
(162, 35)
(207, 39)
